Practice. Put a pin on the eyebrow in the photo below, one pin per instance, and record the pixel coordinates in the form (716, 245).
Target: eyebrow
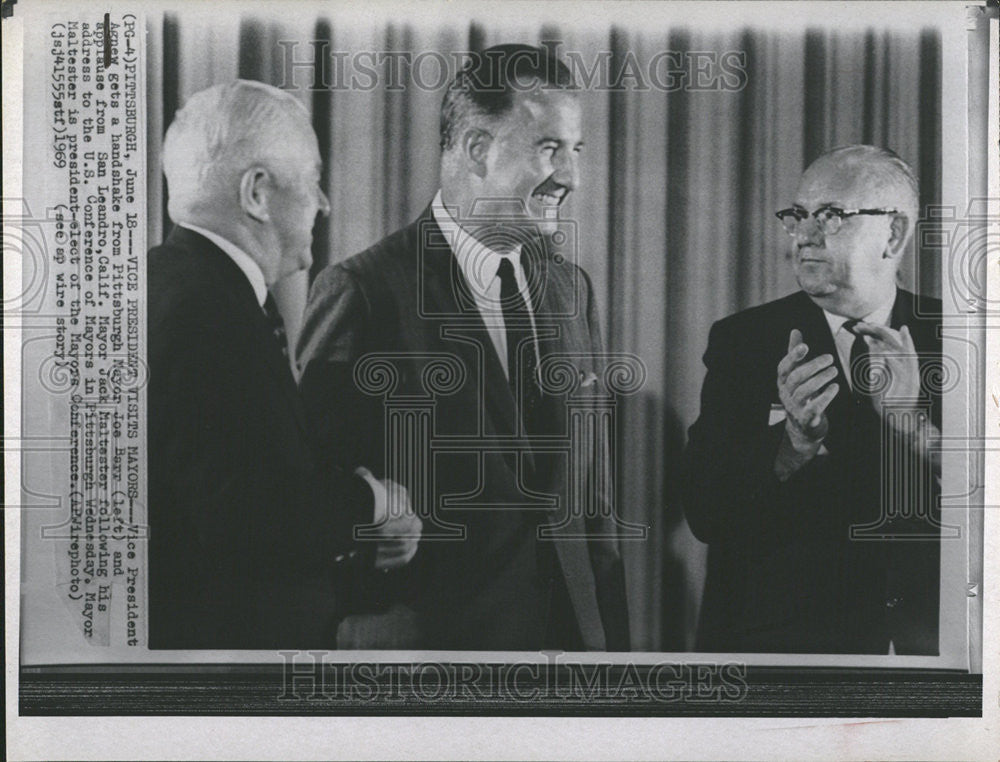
(822, 205)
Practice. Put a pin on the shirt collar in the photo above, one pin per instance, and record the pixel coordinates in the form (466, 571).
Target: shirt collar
(243, 260)
(878, 316)
(478, 262)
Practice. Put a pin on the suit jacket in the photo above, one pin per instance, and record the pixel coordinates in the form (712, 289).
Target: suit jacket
(245, 530)
(784, 573)
(492, 587)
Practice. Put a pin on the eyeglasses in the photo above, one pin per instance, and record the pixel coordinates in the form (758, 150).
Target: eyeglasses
(828, 218)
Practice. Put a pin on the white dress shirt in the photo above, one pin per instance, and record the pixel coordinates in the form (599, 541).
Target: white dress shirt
(243, 260)
(844, 339)
(479, 265)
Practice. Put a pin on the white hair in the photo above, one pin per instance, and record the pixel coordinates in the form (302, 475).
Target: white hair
(219, 134)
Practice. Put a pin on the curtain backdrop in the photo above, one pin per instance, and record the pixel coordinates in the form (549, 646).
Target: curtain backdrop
(674, 211)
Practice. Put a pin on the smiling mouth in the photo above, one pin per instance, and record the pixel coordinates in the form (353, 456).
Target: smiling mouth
(550, 193)
(549, 200)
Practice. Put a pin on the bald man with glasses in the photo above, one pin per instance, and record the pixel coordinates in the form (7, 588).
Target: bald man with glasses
(811, 471)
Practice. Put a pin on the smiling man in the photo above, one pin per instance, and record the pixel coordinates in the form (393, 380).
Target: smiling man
(474, 279)
(809, 471)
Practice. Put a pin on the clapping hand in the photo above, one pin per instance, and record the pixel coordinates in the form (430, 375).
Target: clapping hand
(894, 359)
(805, 391)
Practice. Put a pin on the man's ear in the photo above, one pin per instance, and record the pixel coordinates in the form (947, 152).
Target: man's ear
(476, 146)
(899, 234)
(253, 194)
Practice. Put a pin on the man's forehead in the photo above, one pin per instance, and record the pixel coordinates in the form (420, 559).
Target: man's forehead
(833, 183)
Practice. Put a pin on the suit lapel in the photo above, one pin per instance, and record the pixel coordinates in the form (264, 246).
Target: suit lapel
(553, 304)
(279, 367)
(926, 341)
(548, 301)
(231, 281)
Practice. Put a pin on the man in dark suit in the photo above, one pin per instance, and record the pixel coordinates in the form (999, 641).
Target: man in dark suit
(811, 471)
(519, 550)
(249, 536)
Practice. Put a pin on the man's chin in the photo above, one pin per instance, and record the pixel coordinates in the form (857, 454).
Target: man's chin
(547, 227)
(534, 228)
(815, 286)
(544, 211)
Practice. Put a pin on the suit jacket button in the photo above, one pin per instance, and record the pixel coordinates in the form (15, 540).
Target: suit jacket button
(339, 559)
(352, 554)
(892, 602)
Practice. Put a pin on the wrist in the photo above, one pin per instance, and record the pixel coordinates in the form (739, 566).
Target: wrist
(914, 427)
(792, 457)
(801, 442)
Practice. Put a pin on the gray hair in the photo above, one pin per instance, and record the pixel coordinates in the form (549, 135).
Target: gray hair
(219, 134)
(884, 170)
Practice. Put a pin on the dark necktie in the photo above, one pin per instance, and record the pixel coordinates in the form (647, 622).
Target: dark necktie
(860, 369)
(522, 356)
(884, 481)
(522, 367)
(276, 324)
(864, 436)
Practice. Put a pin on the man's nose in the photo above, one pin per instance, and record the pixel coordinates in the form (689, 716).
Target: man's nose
(807, 231)
(324, 203)
(567, 169)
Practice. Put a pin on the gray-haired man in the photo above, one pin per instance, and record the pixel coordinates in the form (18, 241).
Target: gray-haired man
(250, 536)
